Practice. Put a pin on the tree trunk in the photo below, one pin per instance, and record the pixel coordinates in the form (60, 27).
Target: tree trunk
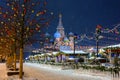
(21, 63)
(14, 61)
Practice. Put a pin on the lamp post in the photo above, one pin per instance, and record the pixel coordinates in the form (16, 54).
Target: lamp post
(75, 60)
(97, 44)
(74, 45)
(98, 31)
(74, 39)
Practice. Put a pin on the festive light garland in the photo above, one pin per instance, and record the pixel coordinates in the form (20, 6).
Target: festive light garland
(16, 9)
(113, 31)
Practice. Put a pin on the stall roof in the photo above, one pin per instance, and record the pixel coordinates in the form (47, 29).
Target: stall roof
(72, 52)
(117, 45)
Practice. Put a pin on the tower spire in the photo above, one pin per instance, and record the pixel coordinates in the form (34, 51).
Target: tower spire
(60, 28)
(60, 25)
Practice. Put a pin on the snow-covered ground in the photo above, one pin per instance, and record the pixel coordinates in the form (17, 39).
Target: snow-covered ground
(2, 71)
(34, 71)
(55, 73)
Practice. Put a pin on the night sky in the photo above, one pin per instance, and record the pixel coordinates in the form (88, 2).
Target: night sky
(82, 16)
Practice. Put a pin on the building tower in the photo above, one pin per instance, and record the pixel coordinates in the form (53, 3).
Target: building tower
(60, 28)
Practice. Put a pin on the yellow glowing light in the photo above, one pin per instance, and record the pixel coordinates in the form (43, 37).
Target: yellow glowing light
(37, 14)
(12, 8)
(0, 12)
(1, 39)
(13, 39)
(18, 23)
(23, 5)
(6, 12)
(45, 10)
(32, 11)
(8, 4)
(37, 25)
(15, 15)
(22, 14)
(33, 4)
(27, 28)
(2, 22)
(18, 31)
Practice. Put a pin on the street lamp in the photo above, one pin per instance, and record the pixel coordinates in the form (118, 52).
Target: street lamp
(97, 44)
(73, 38)
(74, 41)
(98, 31)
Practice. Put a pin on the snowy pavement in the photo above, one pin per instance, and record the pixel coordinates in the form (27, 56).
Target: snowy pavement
(48, 72)
(2, 71)
(34, 71)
